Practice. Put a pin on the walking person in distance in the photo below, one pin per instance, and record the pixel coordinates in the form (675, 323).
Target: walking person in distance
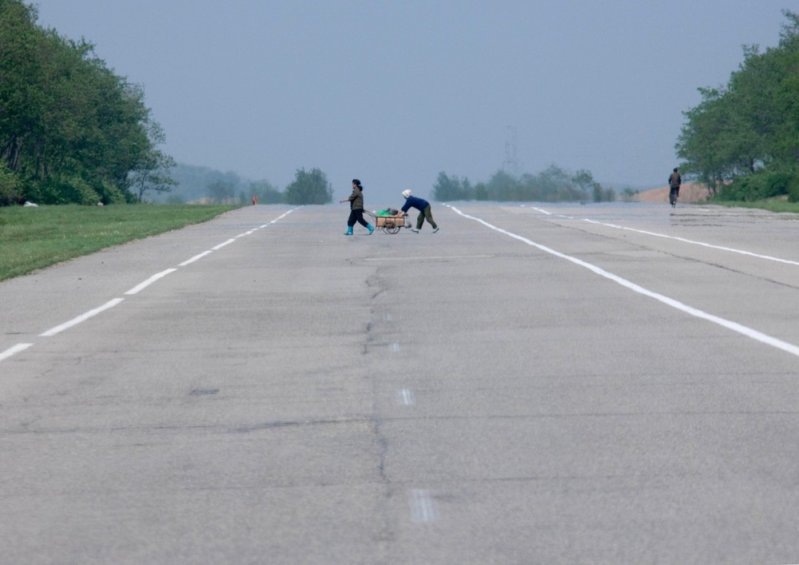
(675, 180)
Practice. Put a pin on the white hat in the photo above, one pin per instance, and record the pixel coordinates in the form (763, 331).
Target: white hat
(406, 193)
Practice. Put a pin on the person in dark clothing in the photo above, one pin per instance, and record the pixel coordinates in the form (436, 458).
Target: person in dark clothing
(356, 208)
(425, 210)
(675, 180)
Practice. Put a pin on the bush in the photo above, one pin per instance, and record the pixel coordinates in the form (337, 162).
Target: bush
(65, 190)
(758, 186)
(793, 188)
(10, 187)
(110, 194)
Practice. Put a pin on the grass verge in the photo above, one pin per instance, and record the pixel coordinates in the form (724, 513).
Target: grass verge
(772, 205)
(34, 238)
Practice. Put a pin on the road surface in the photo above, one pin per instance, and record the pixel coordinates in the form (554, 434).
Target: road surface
(532, 384)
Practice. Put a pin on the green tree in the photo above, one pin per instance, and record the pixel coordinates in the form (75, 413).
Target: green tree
(152, 174)
(70, 128)
(750, 127)
(10, 187)
(449, 188)
(309, 187)
(221, 192)
(264, 191)
(503, 186)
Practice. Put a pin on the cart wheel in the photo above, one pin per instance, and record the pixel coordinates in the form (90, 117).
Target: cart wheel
(391, 229)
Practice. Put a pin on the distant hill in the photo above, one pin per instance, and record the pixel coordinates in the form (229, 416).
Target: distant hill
(689, 192)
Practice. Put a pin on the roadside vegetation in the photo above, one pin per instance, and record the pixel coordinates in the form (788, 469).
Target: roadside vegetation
(742, 140)
(34, 238)
(770, 204)
(72, 131)
(551, 185)
(77, 141)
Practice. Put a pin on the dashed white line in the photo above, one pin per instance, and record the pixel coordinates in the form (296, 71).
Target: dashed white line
(423, 510)
(82, 318)
(141, 286)
(14, 350)
(407, 398)
(135, 290)
(195, 258)
(734, 326)
(395, 347)
(281, 216)
(224, 243)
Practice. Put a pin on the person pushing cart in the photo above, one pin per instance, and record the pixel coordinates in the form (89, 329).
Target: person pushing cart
(425, 210)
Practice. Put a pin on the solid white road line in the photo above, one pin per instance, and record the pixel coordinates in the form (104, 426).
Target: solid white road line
(14, 350)
(141, 286)
(422, 508)
(734, 326)
(82, 318)
(694, 242)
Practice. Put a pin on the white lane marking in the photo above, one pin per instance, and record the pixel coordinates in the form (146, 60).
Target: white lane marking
(14, 350)
(694, 242)
(395, 347)
(195, 258)
(82, 318)
(730, 325)
(541, 210)
(221, 245)
(111, 303)
(280, 217)
(407, 398)
(423, 510)
(141, 286)
(228, 242)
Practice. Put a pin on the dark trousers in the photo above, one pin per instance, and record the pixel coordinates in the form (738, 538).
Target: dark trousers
(356, 216)
(427, 214)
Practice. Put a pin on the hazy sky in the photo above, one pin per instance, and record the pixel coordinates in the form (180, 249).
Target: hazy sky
(392, 92)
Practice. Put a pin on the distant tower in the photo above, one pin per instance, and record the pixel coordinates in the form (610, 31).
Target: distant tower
(511, 163)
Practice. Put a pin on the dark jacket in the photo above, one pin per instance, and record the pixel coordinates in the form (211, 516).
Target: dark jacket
(675, 180)
(415, 202)
(356, 199)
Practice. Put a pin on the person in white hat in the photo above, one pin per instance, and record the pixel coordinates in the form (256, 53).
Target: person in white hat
(425, 210)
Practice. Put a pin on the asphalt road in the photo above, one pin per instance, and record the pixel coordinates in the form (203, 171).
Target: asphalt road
(532, 384)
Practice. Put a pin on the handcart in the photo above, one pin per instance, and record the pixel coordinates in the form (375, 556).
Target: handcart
(389, 222)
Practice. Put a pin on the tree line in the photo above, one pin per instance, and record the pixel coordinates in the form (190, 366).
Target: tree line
(551, 185)
(742, 139)
(203, 184)
(70, 129)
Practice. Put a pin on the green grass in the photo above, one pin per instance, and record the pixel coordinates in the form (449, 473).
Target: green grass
(772, 205)
(33, 238)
